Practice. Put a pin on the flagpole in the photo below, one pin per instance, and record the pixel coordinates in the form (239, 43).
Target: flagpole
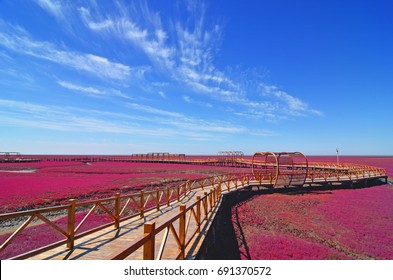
(338, 162)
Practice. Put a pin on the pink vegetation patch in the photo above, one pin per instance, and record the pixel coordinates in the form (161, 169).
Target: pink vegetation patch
(339, 224)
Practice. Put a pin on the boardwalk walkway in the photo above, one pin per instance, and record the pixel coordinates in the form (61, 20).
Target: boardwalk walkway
(105, 243)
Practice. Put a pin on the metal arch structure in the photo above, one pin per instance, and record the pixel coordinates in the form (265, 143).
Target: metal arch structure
(280, 169)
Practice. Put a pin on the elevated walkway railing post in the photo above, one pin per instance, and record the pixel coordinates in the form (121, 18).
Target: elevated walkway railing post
(158, 199)
(149, 246)
(198, 214)
(117, 210)
(168, 197)
(205, 204)
(210, 199)
(71, 224)
(182, 231)
(142, 203)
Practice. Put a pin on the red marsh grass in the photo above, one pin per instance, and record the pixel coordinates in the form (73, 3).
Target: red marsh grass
(337, 224)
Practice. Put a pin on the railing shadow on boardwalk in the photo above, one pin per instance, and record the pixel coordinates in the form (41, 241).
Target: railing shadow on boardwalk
(223, 242)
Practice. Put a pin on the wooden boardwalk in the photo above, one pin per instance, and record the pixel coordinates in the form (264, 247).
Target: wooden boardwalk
(106, 243)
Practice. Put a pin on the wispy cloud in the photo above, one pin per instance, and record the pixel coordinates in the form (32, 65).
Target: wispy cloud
(53, 7)
(186, 52)
(93, 91)
(188, 99)
(58, 118)
(90, 90)
(208, 126)
(177, 52)
(263, 133)
(161, 93)
(292, 105)
(17, 39)
(153, 43)
(187, 56)
(152, 110)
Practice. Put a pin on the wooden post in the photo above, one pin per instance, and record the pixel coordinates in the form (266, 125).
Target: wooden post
(198, 214)
(182, 231)
(71, 224)
(168, 198)
(142, 206)
(117, 210)
(178, 193)
(205, 204)
(210, 199)
(188, 187)
(158, 200)
(149, 246)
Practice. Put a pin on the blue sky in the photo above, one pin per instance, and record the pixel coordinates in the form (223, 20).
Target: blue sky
(122, 77)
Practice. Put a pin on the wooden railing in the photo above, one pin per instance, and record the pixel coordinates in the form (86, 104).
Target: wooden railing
(197, 212)
(327, 171)
(118, 208)
(179, 225)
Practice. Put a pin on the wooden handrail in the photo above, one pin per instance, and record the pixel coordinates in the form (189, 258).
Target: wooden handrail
(151, 231)
(72, 228)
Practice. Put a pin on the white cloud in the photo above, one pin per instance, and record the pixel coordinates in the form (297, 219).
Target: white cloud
(53, 7)
(209, 126)
(186, 51)
(60, 118)
(18, 40)
(72, 86)
(152, 110)
(62, 11)
(92, 91)
(162, 94)
(263, 133)
(188, 99)
(291, 105)
(23, 106)
(152, 43)
(187, 56)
